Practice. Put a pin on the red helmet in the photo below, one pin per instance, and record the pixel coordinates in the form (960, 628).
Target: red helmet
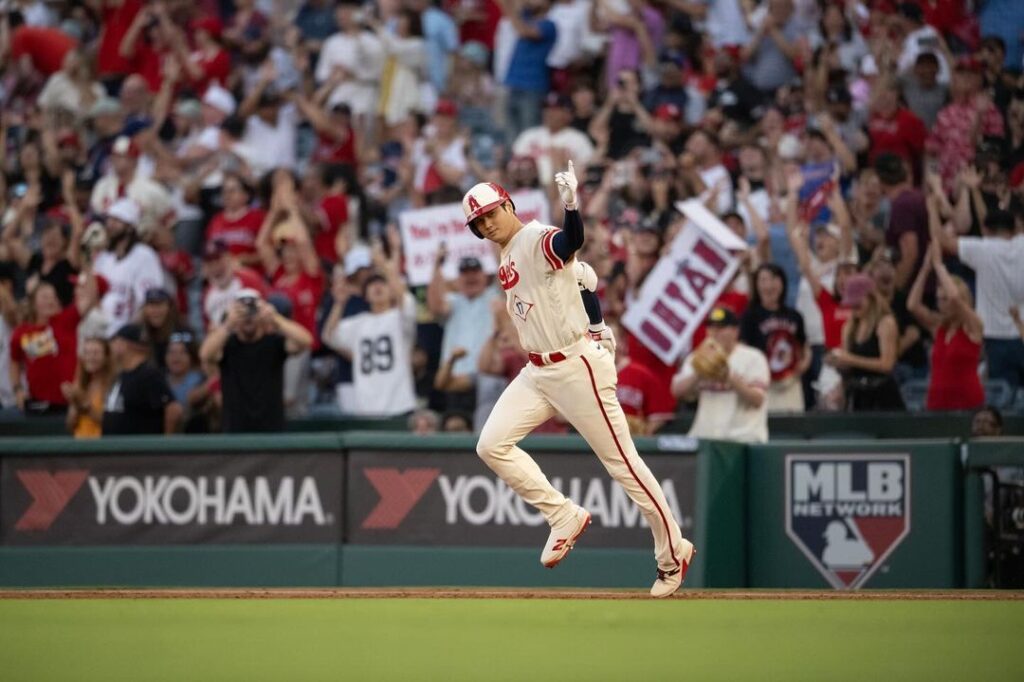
(480, 199)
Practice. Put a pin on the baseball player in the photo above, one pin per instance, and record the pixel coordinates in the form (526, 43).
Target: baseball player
(571, 371)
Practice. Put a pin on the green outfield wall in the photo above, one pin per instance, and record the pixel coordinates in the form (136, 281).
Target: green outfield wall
(368, 508)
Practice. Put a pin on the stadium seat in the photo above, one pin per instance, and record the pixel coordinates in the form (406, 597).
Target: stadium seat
(845, 435)
(998, 393)
(914, 392)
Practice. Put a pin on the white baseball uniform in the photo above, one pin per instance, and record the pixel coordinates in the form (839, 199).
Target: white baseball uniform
(570, 374)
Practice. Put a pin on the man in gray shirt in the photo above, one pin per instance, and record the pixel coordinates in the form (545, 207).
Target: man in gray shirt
(921, 88)
(770, 54)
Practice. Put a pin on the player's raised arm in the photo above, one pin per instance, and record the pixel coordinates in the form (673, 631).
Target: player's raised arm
(566, 242)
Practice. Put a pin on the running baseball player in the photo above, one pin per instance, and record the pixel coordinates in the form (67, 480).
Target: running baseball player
(571, 371)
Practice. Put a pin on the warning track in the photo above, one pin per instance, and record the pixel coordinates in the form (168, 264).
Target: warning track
(487, 593)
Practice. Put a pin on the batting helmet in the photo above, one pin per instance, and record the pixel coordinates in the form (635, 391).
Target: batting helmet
(480, 199)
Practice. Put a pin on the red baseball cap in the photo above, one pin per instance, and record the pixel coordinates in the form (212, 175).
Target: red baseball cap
(69, 138)
(968, 63)
(668, 112)
(446, 107)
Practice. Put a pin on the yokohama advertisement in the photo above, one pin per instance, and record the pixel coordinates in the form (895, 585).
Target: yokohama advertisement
(171, 499)
(454, 499)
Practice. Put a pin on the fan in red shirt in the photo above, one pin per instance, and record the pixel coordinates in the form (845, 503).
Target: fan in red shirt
(148, 42)
(238, 224)
(46, 347)
(477, 20)
(209, 62)
(957, 330)
(336, 140)
(324, 190)
(116, 17)
(46, 47)
(894, 128)
(287, 253)
(646, 400)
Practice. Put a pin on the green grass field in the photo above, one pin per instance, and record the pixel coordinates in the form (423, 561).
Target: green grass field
(509, 639)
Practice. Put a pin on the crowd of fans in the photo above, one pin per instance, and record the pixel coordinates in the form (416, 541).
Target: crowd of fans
(200, 200)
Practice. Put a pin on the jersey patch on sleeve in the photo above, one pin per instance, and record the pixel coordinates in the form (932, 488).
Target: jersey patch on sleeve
(547, 247)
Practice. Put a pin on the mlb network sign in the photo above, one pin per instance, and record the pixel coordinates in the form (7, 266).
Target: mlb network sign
(847, 513)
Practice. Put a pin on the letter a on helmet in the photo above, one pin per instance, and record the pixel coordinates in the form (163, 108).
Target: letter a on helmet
(480, 199)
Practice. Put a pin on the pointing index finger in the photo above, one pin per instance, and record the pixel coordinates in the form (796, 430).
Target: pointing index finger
(570, 167)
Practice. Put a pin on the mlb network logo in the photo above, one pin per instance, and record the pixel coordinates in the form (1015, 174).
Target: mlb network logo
(847, 513)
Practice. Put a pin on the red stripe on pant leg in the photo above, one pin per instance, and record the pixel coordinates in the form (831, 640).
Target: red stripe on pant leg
(622, 454)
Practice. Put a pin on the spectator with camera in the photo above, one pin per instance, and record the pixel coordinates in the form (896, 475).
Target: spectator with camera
(139, 401)
(730, 381)
(251, 347)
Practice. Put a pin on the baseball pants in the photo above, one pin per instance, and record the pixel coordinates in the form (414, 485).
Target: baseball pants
(582, 389)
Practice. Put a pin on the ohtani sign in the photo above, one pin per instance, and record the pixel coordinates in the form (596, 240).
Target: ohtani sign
(425, 229)
(678, 294)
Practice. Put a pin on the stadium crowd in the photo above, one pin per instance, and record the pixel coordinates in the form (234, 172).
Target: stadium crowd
(200, 200)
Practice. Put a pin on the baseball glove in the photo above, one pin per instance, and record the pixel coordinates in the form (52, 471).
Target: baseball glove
(710, 361)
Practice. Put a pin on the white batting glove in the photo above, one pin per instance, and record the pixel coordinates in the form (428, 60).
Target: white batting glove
(586, 278)
(567, 183)
(604, 336)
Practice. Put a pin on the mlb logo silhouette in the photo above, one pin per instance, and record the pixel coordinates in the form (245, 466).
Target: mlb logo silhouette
(847, 513)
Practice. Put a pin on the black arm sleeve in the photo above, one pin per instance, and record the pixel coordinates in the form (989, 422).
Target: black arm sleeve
(592, 305)
(570, 239)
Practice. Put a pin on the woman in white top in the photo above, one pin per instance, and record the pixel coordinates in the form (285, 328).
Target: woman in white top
(72, 89)
(405, 58)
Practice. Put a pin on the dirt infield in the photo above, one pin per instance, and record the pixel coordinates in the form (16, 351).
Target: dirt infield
(488, 593)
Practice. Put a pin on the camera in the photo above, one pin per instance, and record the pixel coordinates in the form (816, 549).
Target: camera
(251, 306)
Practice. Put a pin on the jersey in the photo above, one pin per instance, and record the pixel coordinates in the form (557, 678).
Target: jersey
(720, 412)
(642, 394)
(542, 295)
(381, 348)
(129, 278)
